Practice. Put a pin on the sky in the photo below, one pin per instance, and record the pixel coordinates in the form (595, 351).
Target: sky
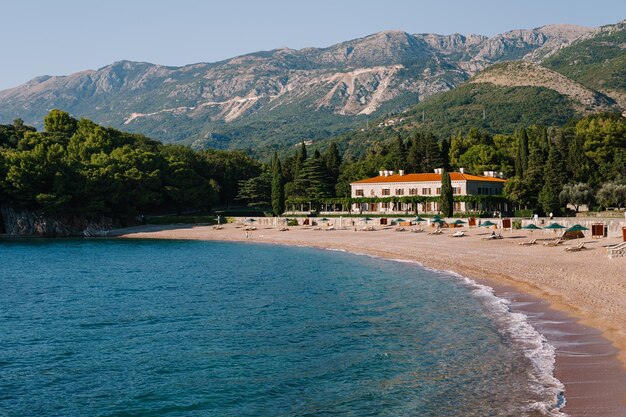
(61, 37)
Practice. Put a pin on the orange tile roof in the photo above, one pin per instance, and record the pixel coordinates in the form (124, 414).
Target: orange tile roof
(426, 177)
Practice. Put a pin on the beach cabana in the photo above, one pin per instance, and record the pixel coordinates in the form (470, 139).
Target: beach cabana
(575, 232)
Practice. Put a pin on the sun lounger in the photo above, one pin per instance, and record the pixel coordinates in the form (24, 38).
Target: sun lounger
(283, 229)
(458, 234)
(532, 242)
(330, 228)
(400, 229)
(555, 242)
(493, 237)
(436, 232)
(217, 227)
(578, 248)
(414, 230)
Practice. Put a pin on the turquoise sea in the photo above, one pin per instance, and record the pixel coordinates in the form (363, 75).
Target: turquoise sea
(146, 327)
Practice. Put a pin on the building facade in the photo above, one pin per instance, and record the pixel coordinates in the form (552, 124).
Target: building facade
(391, 184)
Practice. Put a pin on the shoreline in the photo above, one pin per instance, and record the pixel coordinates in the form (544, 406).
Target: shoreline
(590, 351)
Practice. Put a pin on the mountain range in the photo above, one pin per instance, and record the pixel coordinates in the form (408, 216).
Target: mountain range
(277, 98)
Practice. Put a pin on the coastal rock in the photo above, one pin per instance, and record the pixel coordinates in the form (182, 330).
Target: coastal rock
(37, 224)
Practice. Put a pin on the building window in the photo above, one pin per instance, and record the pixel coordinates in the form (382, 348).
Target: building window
(425, 191)
(400, 191)
(386, 191)
(372, 193)
(456, 190)
(412, 191)
(358, 193)
(384, 206)
(438, 190)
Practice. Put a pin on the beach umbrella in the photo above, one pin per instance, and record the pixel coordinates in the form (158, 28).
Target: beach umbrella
(438, 221)
(458, 222)
(367, 219)
(437, 217)
(418, 219)
(324, 219)
(399, 220)
(250, 220)
(555, 227)
(487, 224)
(531, 227)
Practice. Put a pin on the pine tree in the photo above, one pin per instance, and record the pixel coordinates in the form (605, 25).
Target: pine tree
(278, 187)
(431, 153)
(446, 198)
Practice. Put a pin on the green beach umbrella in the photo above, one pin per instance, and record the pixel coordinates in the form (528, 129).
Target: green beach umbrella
(418, 219)
(531, 227)
(487, 224)
(577, 228)
(438, 221)
(458, 222)
(367, 219)
(437, 217)
(324, 219)
(250, 221)
(399, 220)
(555, 226)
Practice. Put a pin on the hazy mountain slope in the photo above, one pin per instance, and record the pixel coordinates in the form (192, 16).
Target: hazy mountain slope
(596, 60)
(275, 97)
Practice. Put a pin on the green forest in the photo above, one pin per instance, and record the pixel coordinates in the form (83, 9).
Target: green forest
(78, 168)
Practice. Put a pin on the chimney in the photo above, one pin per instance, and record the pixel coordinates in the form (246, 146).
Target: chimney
(462, 170)
(401, 172)
(390, 172)
(438, 170)
(380, 173)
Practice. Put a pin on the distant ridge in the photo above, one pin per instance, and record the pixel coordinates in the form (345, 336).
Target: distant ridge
(275, 98)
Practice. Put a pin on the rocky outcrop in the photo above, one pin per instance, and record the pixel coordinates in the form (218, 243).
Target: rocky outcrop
(527, 74)
(29, 223)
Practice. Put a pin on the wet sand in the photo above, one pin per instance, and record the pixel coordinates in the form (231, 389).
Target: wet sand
(576, 300)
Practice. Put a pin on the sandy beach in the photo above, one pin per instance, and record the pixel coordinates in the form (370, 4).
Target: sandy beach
(576, 299)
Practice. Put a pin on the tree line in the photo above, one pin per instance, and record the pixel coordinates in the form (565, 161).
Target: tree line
(583, 162)
(76, 167)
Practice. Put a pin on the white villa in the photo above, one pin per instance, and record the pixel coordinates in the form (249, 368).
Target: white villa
(391, 184)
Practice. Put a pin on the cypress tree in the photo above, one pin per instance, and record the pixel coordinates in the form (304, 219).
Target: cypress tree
(446, 198)
(332, 159)
(549, 195)
(278, 188)
(414, 156)
(303, 154)
(521, 161)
